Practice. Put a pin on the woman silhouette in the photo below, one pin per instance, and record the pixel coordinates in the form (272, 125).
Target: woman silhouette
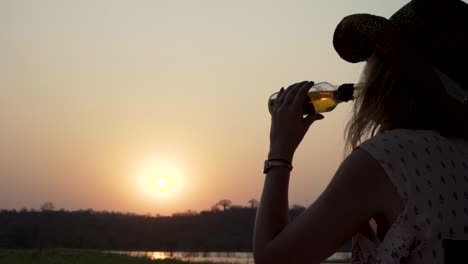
(408, 170)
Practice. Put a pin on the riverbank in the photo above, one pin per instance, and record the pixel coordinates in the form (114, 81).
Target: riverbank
(74, 256)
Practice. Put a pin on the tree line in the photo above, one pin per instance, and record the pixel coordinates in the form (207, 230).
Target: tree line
(225, 227)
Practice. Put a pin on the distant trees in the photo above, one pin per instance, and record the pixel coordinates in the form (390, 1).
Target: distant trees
(295, 210)
(226, 227)
(229, 230)
(225, 204)
(47, 206)
(215, 208)
(186, 213)
(297, 207)
(253, 203)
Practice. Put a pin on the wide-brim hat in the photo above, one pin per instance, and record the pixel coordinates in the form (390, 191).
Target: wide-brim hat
(427, 38)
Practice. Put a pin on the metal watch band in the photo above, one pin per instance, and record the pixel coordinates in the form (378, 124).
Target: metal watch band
(276, 163)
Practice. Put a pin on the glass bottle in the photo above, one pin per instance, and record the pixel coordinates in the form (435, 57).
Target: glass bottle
(324, 97)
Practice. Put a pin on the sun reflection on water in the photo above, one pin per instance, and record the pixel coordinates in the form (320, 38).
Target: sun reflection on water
(217, 257)
(159, 255)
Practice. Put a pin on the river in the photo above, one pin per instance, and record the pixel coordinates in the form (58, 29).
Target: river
(218, 257)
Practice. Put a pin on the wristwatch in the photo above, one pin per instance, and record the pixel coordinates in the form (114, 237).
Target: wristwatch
(276, 163)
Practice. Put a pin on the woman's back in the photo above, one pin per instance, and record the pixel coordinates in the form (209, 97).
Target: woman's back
(430, 172)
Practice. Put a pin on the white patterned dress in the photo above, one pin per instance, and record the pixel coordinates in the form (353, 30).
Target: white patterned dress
(430, 172)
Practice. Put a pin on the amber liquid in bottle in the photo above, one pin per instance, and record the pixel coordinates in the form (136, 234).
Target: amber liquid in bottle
(324, 97)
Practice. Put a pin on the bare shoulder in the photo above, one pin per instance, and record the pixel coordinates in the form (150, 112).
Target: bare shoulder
(364, 173)
(361, 169)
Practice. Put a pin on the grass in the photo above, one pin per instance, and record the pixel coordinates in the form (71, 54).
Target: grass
(72, 256)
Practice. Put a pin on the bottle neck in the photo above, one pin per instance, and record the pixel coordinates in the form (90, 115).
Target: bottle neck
(345, 92)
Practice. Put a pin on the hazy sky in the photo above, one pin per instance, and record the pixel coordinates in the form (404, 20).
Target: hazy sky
(95, 95)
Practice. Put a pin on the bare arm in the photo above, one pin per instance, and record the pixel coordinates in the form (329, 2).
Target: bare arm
(352, 198)
(355, 194)
(272, 213)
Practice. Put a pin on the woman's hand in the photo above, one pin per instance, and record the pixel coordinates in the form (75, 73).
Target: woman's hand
(288, 125)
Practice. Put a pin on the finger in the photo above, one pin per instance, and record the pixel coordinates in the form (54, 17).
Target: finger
(287, 91)
(279, 97)
(302, 93)
(292, 91)
(312, 118)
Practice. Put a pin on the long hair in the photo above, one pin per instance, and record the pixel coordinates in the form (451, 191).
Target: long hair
(392, 99)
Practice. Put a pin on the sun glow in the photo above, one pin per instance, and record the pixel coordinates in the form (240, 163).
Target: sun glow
(161, 180)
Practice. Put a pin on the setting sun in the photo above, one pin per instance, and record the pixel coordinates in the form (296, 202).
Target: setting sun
(161, 178)
(161, 182)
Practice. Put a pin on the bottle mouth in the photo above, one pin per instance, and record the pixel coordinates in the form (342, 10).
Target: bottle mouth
(346, 92)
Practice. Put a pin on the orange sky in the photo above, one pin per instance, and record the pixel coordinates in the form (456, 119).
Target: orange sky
(95, 92)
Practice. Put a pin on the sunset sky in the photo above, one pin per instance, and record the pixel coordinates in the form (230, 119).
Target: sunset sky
(97, 97)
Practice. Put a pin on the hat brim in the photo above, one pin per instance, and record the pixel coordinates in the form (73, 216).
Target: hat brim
(357, 36)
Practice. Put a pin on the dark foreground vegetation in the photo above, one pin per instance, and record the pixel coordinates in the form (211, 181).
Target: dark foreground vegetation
(227, 229)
